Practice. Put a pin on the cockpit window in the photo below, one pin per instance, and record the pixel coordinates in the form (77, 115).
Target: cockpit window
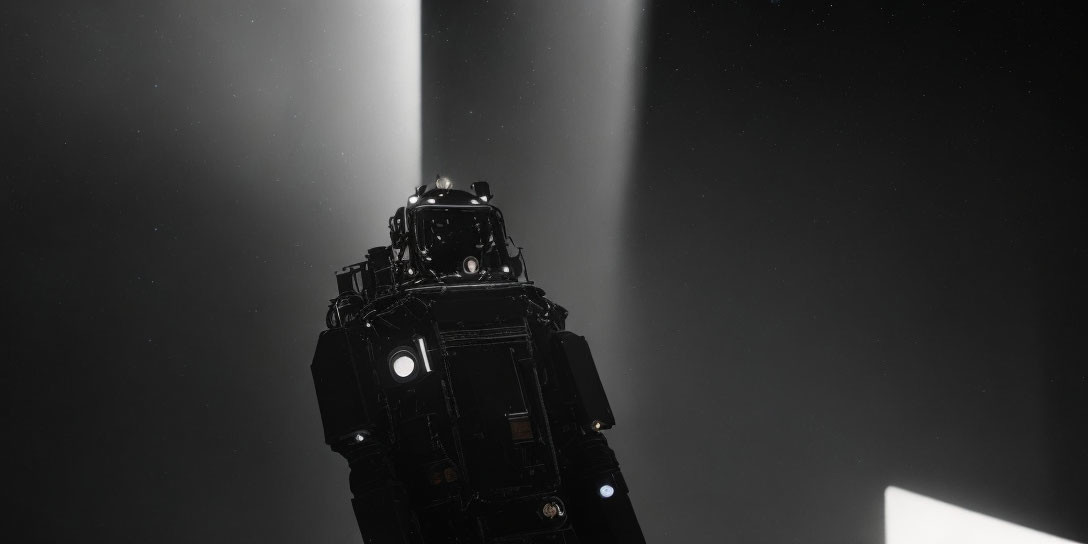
(449, 235)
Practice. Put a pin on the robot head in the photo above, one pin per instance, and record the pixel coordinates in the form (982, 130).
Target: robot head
(453, 233)
(453, 239)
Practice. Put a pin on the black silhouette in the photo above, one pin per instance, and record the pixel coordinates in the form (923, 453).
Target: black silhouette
(465, 410)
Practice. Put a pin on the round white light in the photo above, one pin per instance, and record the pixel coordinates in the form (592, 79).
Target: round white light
(474, 201)
(506, 269)
(403, 366)
(359, 438)
(606, 491)
(413, 199)
(443, 183)
(430, 201)
(471, 265)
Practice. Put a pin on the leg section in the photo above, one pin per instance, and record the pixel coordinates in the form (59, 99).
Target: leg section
(381, 503)
(600, 509)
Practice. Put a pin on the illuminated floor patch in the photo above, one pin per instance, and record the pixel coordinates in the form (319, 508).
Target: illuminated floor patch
(910, 518)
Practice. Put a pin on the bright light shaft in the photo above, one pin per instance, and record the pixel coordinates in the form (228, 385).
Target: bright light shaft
(370, 110)
(388, 94)
(594, 52)
(910, 518)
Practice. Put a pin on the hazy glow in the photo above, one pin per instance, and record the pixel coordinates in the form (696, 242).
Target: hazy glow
(910, 518)
(372, 109)
(588, 57)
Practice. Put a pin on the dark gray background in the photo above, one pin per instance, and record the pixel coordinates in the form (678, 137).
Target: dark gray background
(845, 251)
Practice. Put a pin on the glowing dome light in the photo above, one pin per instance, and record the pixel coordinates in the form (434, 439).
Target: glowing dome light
(403, 366)
(606, 491)
(413, 199)
(443, 183)
(471, 265)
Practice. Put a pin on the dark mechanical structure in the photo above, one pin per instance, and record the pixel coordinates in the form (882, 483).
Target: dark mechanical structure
(466, 412)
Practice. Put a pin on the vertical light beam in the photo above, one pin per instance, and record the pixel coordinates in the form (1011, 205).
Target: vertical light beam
(370, 111)
(589, 57)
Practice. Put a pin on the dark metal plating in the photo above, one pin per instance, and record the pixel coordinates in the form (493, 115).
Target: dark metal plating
(465, 410)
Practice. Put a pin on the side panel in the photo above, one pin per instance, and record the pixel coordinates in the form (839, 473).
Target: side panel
(573, 359)
(600, 508)
(340, 398)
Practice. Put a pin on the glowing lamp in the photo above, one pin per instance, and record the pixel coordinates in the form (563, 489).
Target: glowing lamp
(403, 366)
(471, 265)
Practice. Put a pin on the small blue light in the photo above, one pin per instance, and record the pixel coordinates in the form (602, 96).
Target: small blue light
(606, 491)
